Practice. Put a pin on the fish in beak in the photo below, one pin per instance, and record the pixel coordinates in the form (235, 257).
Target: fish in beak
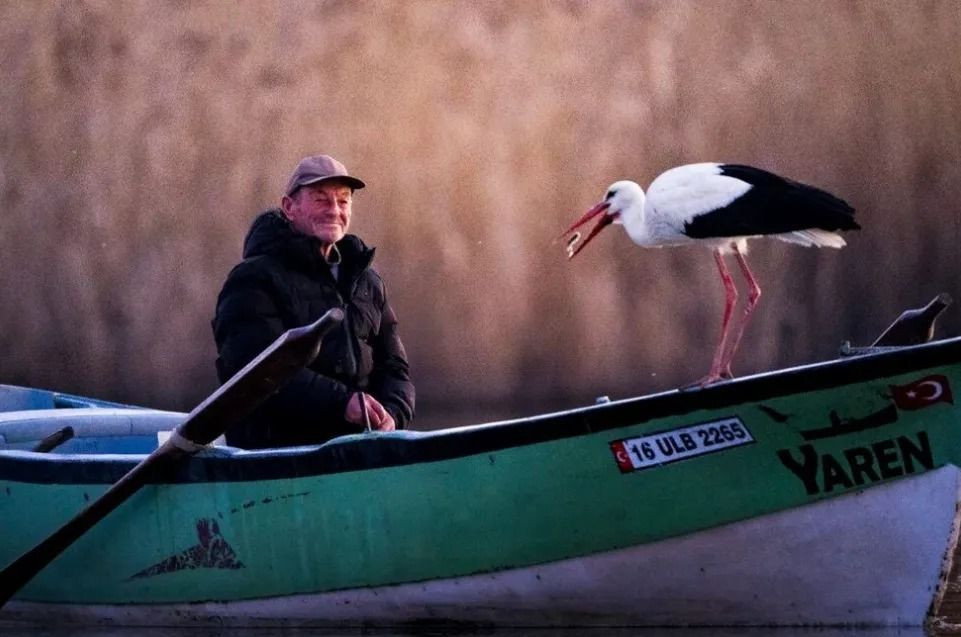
(574, 243)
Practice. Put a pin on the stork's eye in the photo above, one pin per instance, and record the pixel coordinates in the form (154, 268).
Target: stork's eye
(610, 193)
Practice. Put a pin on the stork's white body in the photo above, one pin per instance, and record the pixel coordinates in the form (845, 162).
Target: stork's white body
(680, 195)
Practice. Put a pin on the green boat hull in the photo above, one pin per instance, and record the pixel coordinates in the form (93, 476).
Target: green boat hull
(301, 533)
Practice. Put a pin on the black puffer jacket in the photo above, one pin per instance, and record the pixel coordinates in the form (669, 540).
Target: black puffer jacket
(284, 282)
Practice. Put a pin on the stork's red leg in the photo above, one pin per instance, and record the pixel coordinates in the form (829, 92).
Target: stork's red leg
(730, 299)
(753, 296)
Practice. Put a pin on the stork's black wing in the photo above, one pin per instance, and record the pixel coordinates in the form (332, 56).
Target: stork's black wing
(773, 205)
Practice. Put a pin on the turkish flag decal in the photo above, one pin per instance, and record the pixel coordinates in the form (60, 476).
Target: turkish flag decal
(621, 456)
(922, 393)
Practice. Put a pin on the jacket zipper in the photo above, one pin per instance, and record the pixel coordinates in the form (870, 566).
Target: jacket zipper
(354, 348)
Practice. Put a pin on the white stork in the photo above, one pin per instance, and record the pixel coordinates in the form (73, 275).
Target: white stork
(720, 206)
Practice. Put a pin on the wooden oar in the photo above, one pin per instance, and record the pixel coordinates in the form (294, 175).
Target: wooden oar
(237, 397)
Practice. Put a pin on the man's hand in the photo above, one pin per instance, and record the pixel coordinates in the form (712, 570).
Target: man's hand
(379, 418)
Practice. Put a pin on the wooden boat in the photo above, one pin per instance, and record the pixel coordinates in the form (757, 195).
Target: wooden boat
(818, 495)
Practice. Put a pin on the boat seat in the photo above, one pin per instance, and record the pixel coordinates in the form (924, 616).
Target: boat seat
(96, 429)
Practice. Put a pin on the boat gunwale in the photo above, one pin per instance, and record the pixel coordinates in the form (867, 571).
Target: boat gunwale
(361, 452)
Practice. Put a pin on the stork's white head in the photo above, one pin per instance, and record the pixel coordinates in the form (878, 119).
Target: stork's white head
(621, 197)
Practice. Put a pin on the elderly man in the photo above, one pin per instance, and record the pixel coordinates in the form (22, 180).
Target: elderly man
(298, 263)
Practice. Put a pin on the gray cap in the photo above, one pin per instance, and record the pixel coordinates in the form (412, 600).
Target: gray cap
(319, 168)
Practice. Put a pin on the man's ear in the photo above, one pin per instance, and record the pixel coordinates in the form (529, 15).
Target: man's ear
(285, 204)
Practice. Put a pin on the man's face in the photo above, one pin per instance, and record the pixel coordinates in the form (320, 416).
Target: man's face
(320, 210)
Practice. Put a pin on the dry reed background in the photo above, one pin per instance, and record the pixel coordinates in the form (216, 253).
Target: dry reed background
(139, 138)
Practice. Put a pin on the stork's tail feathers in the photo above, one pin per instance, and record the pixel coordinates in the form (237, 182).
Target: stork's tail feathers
(828, 212)
(814, 238)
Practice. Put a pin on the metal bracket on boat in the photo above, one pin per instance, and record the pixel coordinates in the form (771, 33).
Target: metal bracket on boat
(852, 350)
(913, 327)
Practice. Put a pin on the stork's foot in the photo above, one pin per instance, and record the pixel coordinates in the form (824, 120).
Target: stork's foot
(710, 379)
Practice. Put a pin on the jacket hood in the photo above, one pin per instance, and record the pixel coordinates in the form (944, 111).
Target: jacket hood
(272, 234)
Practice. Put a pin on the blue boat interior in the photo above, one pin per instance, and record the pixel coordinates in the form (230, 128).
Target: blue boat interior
(27, 416)
(106, 439)
(96, 428)
(95, 441)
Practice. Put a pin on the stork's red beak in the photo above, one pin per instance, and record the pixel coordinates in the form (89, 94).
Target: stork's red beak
(573, 247)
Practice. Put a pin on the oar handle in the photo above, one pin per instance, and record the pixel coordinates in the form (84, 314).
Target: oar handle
(244, 391)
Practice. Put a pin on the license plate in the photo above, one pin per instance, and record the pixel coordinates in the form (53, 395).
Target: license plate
(635, 454)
